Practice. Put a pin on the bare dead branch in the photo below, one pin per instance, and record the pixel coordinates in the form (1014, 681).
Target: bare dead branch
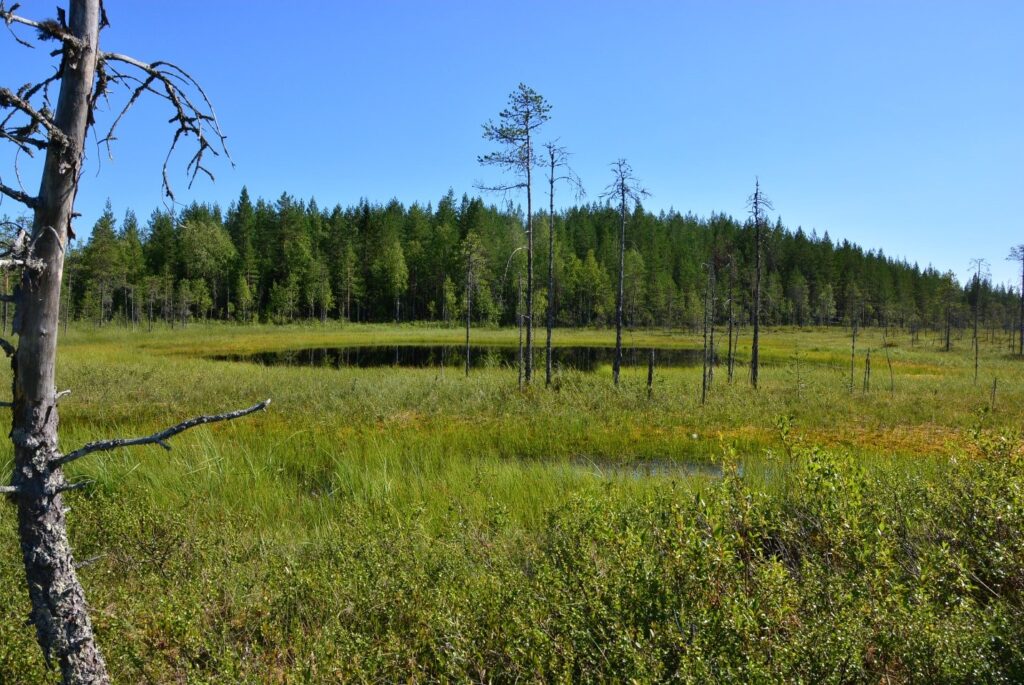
(80, 485)
(42, 118)
(505, 188)
(84, 563)
(12, 263)
(158, 438)
(9, 490)
(52, 29)
(25, 143)
(193, 116)
(626, 186)
(18, 196)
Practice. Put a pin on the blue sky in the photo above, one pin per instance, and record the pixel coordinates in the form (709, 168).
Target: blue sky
(897, 125)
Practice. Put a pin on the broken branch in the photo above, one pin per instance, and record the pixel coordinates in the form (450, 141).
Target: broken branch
(158, 438)
(50, 28)
(19, 196)
(9, 99)
(36, 264)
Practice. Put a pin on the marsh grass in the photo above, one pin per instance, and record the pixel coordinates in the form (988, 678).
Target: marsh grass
(388, 523)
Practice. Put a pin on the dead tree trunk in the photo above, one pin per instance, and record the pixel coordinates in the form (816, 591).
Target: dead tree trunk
(59, 611)
(853, 348)
(469, 310)
(980, 264)
(758, 204)
(528, 370)
(550, 319)
(867, 371)
(620, 292)
(888, 361)
(949, 315)
(519, 317)
(731, 298)
(1017, 254)
(705, 378)
(650, 373)
(624, 188)
(711, 324)
(557, 158)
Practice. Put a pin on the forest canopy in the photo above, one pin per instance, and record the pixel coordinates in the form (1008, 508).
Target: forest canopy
(291, 260)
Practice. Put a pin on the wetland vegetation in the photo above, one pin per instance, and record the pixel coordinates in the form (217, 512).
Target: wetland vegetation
(383, 524)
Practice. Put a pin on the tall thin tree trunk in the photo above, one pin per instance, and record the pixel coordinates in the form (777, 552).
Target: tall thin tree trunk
(1020, 320)
(704, 356)
(529, 255)
(650, 373)
(519, 317)
(948, 324)
(469, 310)
(620, 293)
(888, 361)
(711, 323)
(731, 299)
(853, 348)
(551, 277)
(977, 308)
(754, 348)
(63, 628)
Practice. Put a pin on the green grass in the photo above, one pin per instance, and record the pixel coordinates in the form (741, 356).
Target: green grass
(407, 524)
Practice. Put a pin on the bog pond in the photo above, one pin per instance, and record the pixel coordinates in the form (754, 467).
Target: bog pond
(579, 358)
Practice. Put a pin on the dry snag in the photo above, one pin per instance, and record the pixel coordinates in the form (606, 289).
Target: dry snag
(32, 121)
(558, 170)
(758, 205)
(625, 188)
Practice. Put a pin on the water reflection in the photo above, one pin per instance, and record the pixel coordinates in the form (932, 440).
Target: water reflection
(580, 358)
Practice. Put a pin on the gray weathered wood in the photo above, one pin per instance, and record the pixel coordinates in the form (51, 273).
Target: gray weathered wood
(59, 611)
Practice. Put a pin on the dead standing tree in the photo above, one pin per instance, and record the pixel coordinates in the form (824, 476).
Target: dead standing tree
(980, 266)
(625, 188)
(33, 123)
(557, 160)
(1017, 255)
(707, 373)
(759, 205)
(731, 273)
(527, 110)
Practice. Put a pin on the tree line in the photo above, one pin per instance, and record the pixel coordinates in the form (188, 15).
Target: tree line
(291, 260)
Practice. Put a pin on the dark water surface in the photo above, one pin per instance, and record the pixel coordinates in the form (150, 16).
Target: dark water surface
(650, 467)
(580, 358)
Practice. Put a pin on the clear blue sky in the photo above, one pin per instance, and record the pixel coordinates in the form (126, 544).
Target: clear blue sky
(897, 125)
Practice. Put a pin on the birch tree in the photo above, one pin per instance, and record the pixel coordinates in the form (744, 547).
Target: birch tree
(32, 122)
